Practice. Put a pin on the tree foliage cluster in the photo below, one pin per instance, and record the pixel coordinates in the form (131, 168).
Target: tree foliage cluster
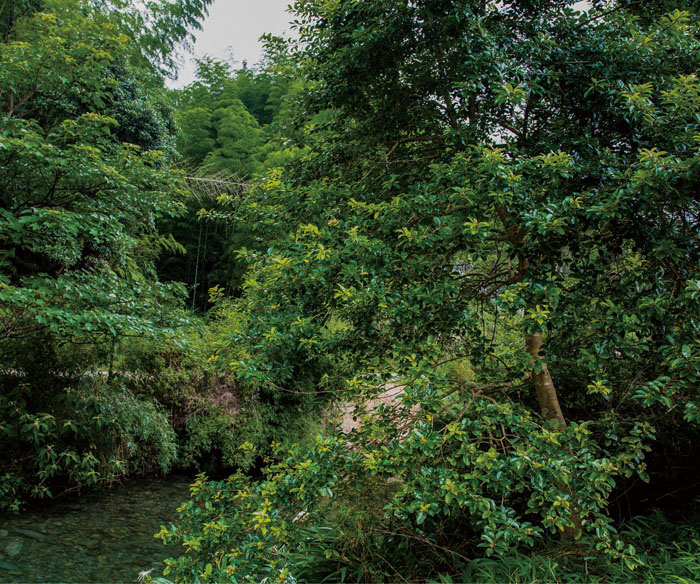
(234, 125)
(497, 216)
(104, 370)
(86, 144)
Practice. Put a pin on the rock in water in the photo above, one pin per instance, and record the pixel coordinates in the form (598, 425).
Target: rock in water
(13, 548)
(30, 533)
(8, 567)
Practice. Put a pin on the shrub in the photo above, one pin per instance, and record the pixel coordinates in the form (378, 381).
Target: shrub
(55, 440)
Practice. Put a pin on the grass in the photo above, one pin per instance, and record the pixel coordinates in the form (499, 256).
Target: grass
(667, 553)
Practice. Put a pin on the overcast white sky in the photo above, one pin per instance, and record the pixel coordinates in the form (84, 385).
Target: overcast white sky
(236, 25)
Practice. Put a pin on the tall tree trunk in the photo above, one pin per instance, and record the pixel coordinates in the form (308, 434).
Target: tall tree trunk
(551, 411)
(544, 386)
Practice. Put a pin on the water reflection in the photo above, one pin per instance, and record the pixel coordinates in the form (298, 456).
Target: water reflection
(105, 536)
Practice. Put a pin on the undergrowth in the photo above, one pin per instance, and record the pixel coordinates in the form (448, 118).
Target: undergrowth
(666, 551)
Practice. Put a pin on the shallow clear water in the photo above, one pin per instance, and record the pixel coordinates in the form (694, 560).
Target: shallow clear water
(105, 536)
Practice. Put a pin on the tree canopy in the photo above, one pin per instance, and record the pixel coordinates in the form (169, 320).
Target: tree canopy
(443, 260)
(86, 146)
(510, 186)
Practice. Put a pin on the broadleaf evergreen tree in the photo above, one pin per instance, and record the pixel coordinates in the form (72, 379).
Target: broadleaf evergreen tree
(510, 186)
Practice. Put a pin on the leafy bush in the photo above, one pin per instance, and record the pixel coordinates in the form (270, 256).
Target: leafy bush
(221, 423)
(202, 401)
(56, 440)
(442, 484)
(666, 552)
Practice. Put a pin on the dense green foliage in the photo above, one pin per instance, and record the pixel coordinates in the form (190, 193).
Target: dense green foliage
(89, 197)
(426, 278)
(667, 553)
(84, 148)
(487, 177)
(234, 125)
(56, 440)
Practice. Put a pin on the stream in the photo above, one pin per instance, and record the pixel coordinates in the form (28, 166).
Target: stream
(104, 536)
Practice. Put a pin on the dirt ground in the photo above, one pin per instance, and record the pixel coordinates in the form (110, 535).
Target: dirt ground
(391, 396)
